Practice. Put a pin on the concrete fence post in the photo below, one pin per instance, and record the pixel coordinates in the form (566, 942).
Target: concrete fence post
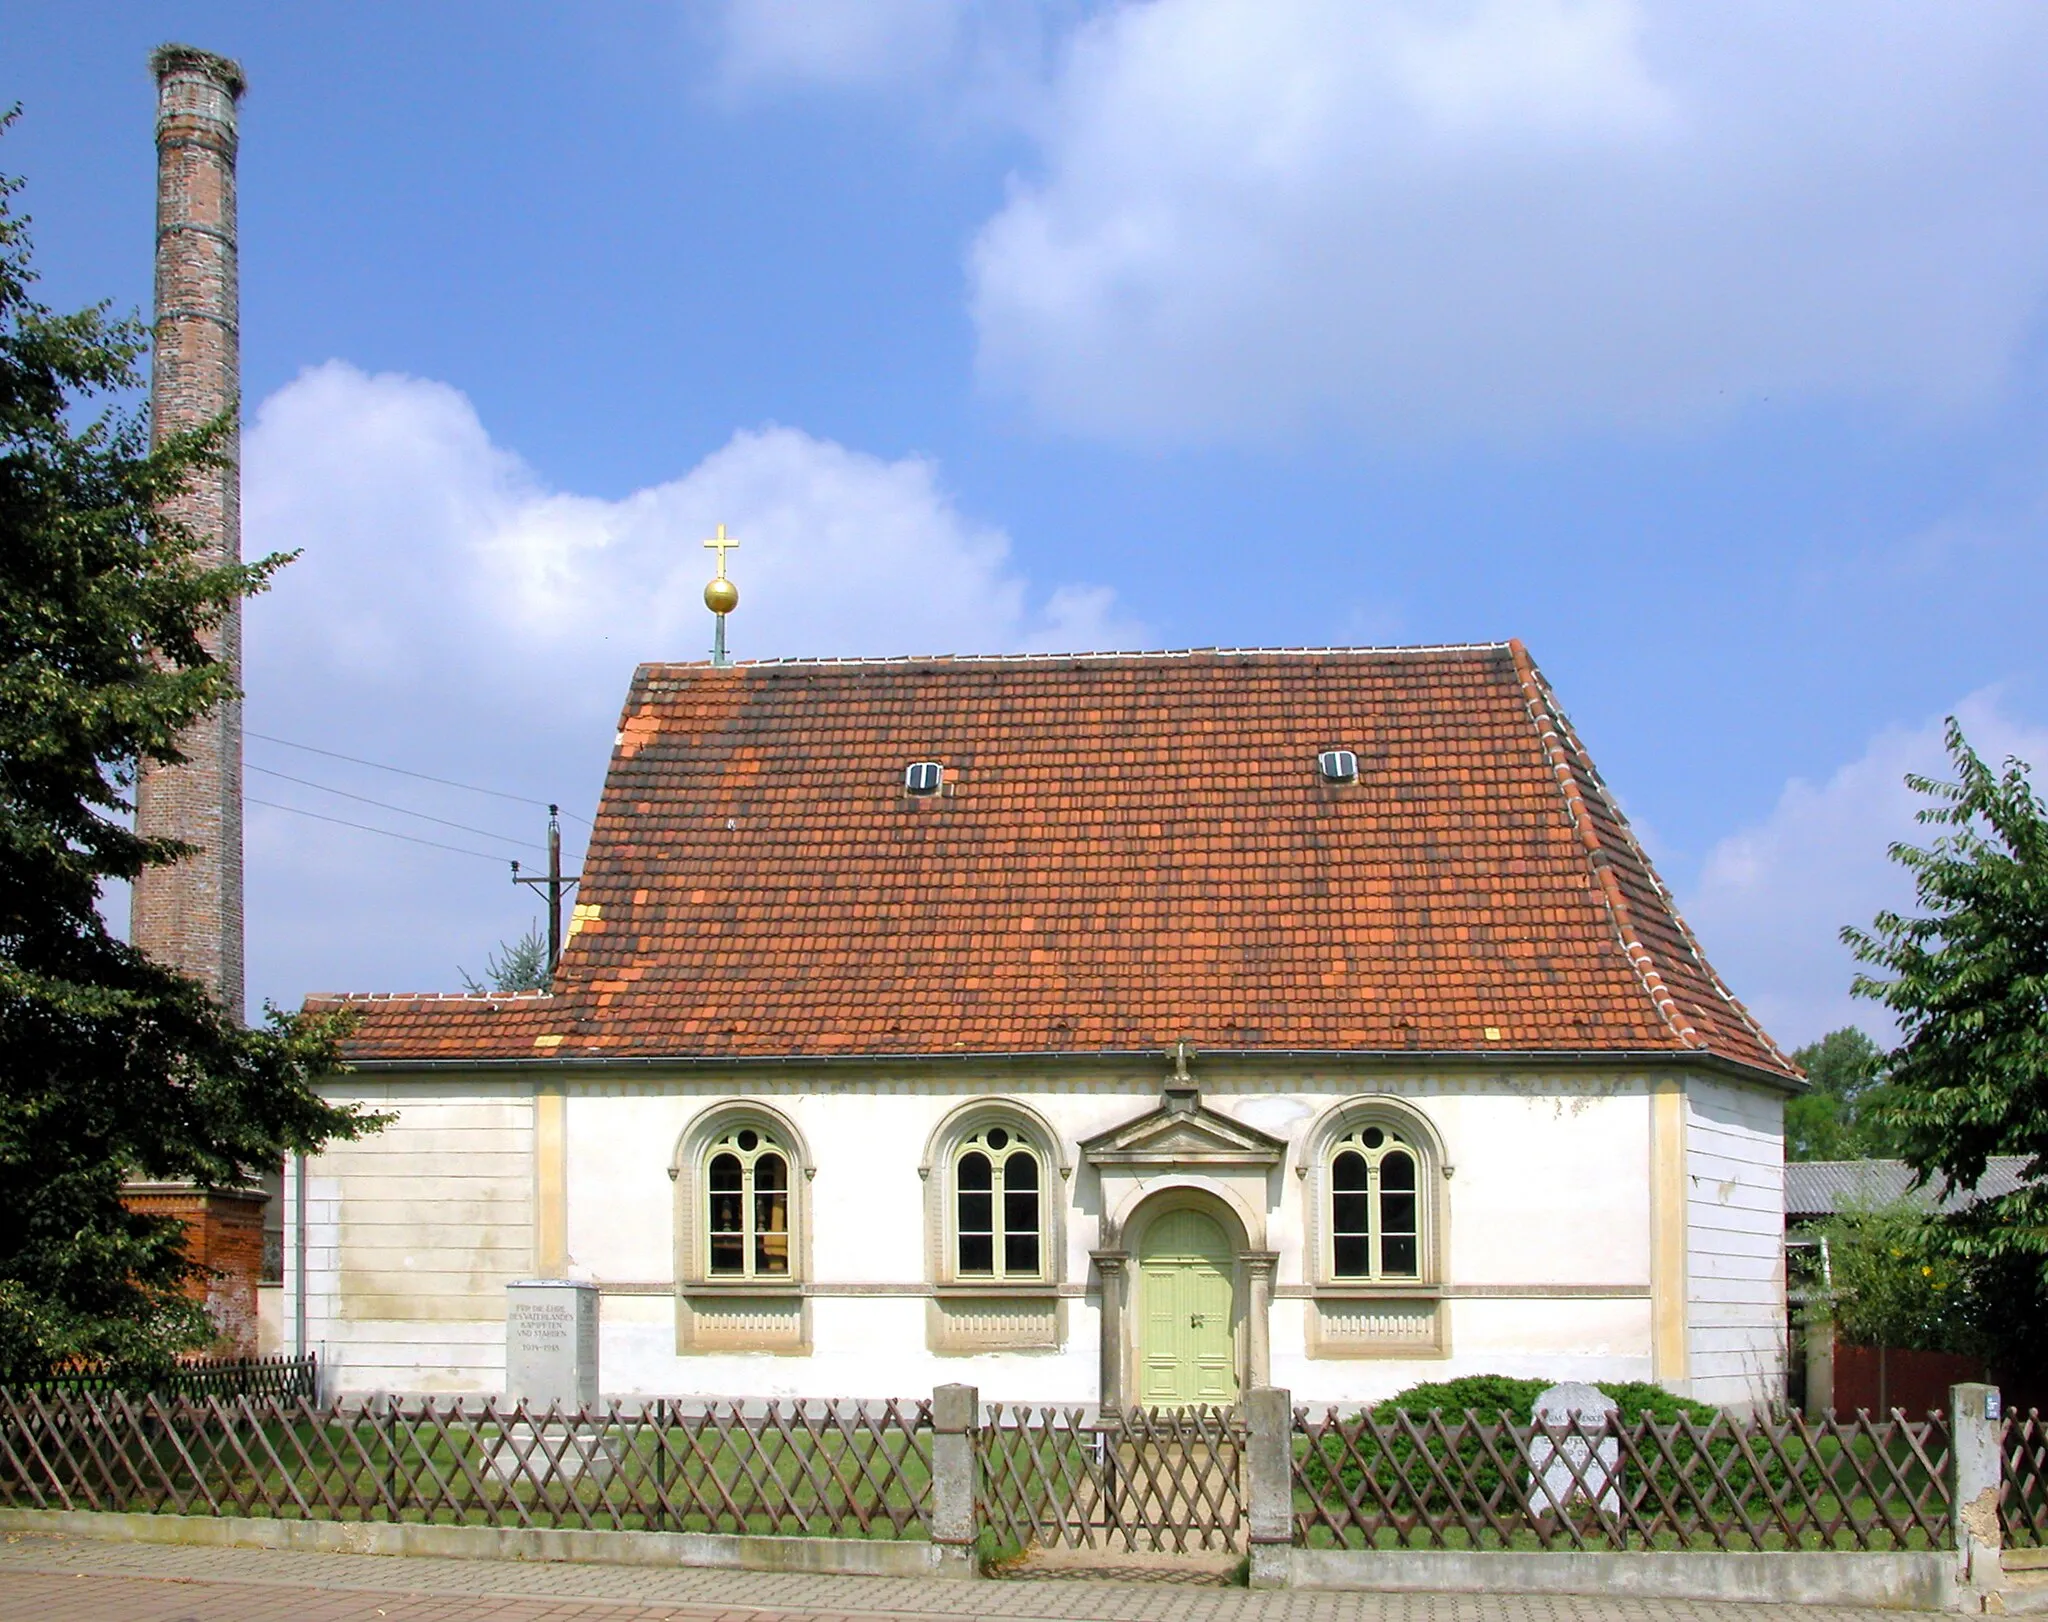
(956, 1416)
(1976, 1471)
(1269, 1484)
(1820, 1364)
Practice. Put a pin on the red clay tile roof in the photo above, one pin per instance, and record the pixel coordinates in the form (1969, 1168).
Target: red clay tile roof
(1129, 850)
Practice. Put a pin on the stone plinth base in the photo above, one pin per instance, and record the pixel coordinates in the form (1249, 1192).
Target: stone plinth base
(541, 1453)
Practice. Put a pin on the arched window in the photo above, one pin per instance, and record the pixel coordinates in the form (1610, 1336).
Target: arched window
(994, 1206)
(746, 1192)
(999, 1210)
(742, 1176)
(1375, 1214)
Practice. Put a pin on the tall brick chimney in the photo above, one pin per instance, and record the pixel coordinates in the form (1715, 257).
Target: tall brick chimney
(190, 915)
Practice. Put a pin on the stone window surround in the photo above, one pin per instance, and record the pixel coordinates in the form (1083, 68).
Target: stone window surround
(1424, 1292)
(1038, 1317)
(702, 1298)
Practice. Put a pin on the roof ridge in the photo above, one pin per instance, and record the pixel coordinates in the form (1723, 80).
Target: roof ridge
(1543, 705)
(324, 997)
(1060, 658)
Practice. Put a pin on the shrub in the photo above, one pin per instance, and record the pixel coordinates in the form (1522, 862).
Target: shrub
(1462, 1406)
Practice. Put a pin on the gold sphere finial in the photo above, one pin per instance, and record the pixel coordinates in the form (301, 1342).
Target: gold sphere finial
(721, 596)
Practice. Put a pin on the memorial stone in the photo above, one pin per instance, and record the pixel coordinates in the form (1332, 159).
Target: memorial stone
(1573, 1468)
(551, 1343)
(551, 1361)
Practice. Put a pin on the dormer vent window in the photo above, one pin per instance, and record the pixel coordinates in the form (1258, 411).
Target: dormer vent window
(922, 777)
(1337, 766)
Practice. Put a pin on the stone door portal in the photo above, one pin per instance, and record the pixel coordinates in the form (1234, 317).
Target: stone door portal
(1187, 1310)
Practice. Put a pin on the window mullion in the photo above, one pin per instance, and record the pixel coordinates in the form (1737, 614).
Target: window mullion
(747, 1218)
(997, 1223)
(1374, 1262)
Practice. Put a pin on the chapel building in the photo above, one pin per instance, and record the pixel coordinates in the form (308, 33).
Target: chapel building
(1123, 1028)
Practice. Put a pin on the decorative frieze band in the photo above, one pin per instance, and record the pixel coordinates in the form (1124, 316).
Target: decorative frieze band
(1076, 1292)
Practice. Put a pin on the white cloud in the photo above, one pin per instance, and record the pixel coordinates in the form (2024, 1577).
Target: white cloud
(979, 64)
(453, 614)
(1512, 219)
(837, 43)
(1771, 899)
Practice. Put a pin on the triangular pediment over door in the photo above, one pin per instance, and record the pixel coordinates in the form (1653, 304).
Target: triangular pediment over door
(1183, 1131)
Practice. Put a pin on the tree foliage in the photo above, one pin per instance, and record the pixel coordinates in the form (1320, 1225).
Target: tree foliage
(1841, 1118)
(112, 1067)
(520, 965)
(1895, 1279)
(1966, 978)
(1900, 1278)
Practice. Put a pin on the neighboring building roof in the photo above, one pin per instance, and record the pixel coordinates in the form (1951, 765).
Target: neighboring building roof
(1130, 849)
(1820, 1188)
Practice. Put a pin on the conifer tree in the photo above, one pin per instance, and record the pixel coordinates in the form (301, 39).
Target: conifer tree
(112, 1066)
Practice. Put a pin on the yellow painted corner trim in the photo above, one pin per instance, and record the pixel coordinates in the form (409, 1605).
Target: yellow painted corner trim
(550, 1181)
(1669, 1286)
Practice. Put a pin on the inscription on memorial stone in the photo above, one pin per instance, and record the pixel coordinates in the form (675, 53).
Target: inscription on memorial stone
(551, 1343)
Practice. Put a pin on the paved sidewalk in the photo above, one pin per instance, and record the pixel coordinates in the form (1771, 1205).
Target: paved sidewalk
(61, 1579)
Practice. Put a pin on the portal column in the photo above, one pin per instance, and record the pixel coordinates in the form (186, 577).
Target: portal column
(1257, 1266)
(1110, 1267)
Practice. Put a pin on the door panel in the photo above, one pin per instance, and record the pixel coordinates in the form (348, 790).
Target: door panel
(1189, 1350)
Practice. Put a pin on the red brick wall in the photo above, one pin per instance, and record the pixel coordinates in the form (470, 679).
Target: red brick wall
(190, 915)
(224, 1235)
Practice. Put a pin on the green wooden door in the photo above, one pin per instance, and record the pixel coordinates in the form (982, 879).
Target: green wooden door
(1189, 1351)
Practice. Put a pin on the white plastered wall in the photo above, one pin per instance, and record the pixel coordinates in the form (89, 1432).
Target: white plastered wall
(416, 1232)
(1735, 1242)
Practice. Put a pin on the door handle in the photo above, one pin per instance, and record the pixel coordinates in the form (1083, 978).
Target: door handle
(1197, 1319)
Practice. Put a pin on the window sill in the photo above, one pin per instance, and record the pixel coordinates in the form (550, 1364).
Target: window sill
(1008, 1288)
(1390, 1291)
(745, 1288)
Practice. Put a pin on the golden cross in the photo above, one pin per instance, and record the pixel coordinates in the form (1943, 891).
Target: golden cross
(719, 544)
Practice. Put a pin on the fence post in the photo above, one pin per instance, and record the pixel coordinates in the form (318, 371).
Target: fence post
(1269, 1461)
(1976, 1466)
(956, 1417)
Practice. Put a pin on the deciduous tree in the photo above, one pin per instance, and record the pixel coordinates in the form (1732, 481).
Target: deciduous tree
(1841, 1117)
(1966, 977)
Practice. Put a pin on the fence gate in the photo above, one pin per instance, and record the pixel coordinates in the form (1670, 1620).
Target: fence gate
(1148, 1480)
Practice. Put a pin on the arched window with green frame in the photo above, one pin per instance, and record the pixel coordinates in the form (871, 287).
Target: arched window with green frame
(998, 1205)
(1375, 1209)
(747, 1205)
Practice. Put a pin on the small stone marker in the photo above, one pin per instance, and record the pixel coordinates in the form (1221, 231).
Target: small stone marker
(551, 1343)
(551, 1359)
(1574, 1469)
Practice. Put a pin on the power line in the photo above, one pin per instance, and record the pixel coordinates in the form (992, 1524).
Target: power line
(403, 771)
(364, 827)
(386, 805)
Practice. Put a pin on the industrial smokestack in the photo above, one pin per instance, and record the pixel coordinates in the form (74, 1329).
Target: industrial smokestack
(190, 915)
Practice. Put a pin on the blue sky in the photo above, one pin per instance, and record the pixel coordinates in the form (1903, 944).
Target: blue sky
(1702, 348)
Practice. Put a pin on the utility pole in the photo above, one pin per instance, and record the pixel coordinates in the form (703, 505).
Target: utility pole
(556, 883)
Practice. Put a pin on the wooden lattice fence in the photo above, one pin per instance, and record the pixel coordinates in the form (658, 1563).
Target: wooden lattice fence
(289, 1378)
(1148, 1480)
(816, 1469)
(1466, 1481)
(1141, 1480)
(2023, 1501)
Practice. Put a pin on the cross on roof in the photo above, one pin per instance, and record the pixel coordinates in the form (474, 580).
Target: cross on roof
(720, 544)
